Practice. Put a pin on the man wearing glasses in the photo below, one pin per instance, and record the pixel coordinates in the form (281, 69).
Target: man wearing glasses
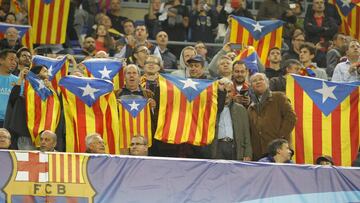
(138, 146)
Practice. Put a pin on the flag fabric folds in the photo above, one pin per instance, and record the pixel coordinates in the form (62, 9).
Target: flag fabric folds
(108, 69)
(57, 68)
(350, 17)
(89, 107)
(187, 110)
(250, 58)
(42, 107)
(134, 119)
(262, 35)
(24, 33)
(48, 19)
(328, 119)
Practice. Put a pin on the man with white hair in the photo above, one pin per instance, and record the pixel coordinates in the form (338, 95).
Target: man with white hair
(139, 146)
(48, 141)
(11, 39)
(94, 144)
(5, 139)
(271, 115)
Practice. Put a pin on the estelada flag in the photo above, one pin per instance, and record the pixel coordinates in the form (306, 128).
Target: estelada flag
(187, 110)
(262, 35)
(24, 33)
(108, 69)
(350, 17)
(42, 107)
(89, 107)
(57, 68)
(48, 19)
(134, 119)
(250, 58)
(328, 119)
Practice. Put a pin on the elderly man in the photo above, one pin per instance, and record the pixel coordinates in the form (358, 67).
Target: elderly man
(5, 139)
(270, 113)
(94, 144)
(48, 141)
(11, 39)
(138, 146)
(278, 152)
(349, 71)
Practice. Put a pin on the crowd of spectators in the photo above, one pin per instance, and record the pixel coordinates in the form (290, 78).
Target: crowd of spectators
(253, 110)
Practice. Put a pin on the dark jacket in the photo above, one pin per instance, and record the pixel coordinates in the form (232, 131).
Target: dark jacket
(327, 30)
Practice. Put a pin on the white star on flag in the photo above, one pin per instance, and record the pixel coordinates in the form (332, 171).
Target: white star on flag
(88, 90)
(189, 83)
(105, 73)
(257, 27)
(50, 70)
(327, 92)
(345, 3)
(41, 84)
(134, 106)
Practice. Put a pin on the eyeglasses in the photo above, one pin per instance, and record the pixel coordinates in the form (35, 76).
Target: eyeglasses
(136, 144)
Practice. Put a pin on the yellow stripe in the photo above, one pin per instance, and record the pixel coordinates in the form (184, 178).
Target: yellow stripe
(90, 120)
(187, 121)
(65, 20)
(31, 110)
(307, 129)
(57, 159)
(116, 82)
(70, 116)
(121, 126)
(213, 112)
(201, 115)
(279, 32)
(103, 105)
(162, 109)
(345, 133)
(326, 135)
(51, 157)
(54, 22)
(142, 122)
(127, 124)
(290, 94)
(56, 113)
(81, 159)
(245, 37)
(43, 114)
(35, 21)
(115, 121)
(66, 168)
(265, 48)
(234, 29)
(73, 168)
(175, 114)
(45, 23)
(149, 127)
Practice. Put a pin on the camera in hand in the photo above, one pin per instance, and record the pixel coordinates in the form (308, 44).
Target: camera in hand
(244, 92)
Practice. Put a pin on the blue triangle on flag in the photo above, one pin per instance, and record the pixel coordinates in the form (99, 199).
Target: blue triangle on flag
(53, 65)
(134, 106)
(258, 29)
(325, 94)
(345, 7)
(87, 90)
(190, 87)
(38, 85)
(21, 28)
(103, 68)
(251, 62)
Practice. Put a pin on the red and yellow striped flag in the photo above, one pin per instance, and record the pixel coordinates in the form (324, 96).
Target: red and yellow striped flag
(89, 106)
(187, 110)
(42, 107)
(263, 35)
(350, 17)
(24, 33)
(134, 119)
(48, 19)
(328, 119)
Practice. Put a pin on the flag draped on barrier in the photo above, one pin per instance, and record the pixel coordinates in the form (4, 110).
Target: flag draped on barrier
(89, 107)
(57, 68)
(328, 119)
(24, 33)
(187, 111)
(107, 69)
(262, 35)
(42, 107)
(48, 19)
(134, 119)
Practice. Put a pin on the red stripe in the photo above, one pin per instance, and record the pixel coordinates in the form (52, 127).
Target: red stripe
(27, 39)
(63, 70)
(260, 47)
(336, 135)
(54, 168)
(40, 27)
(181, 119)
(28, 199)
(50, 199)
(146, 119)
(124, 126)
(299, 129)
(69, 167)
(357, 28)
(194, 119)
(251, 40)
(206, 120)
(273, 39)
(354, 123)
(168, 115)
(71, 199)
(31, 12)
(317, 132)
(59, 23)
(77, 168)
(110, 134)
(49, 22)
(99, 116)
(240, 34)
(26, 86)
(131, 124)
(49, 112)
(75, 137)
(62, 168)
(121, 77)
(37, 115)
(138, 121)
(81, 124)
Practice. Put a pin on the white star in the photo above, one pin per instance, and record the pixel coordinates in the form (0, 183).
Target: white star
(345, 3)
(134, 106)
(50, 70)
(189, 83)
(105, 73)
(326, 92)
(88, 90)
(41, 84)
(257, 27)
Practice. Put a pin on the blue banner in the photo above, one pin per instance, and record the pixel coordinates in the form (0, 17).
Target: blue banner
(65, 177)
